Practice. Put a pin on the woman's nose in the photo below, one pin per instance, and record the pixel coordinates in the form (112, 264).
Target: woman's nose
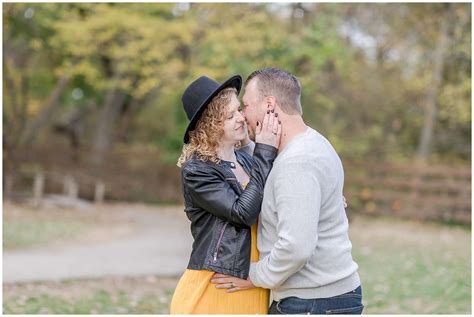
(240, 116)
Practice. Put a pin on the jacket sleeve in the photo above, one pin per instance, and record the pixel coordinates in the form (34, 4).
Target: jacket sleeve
(248, 148)
(215, 195)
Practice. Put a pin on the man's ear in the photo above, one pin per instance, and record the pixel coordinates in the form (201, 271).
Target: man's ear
(270, 102)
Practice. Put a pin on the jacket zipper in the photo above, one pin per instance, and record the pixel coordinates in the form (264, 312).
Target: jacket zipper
(219, 242)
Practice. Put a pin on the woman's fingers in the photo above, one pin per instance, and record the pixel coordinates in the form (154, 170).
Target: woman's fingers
(221, 280)
(270, 130)
(233, 290)
(278, 129)
(271, 121)
(265, 121)
(224, 286)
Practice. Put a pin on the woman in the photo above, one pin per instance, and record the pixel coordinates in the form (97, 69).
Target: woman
(223, 189)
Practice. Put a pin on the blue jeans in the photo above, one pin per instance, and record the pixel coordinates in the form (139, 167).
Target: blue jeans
(348, 303)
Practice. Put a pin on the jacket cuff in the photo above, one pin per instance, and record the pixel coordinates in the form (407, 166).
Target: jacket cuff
(248, 148)
(265, 147)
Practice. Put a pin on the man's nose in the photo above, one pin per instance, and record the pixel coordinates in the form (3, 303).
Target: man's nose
(243, 114)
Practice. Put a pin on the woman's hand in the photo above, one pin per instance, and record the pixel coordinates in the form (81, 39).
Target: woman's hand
(269, 132)
(231, 283)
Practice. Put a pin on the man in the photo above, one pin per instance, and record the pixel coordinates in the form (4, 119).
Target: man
(305, 251)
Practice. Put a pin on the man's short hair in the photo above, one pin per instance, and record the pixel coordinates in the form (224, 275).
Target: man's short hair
(281, 84)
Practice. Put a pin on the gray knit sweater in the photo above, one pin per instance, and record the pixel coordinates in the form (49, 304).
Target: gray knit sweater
(303, 239)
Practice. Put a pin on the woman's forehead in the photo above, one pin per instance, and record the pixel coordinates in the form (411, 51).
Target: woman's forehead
(234, 104)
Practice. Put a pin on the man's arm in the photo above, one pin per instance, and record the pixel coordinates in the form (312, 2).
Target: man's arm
(298, 202)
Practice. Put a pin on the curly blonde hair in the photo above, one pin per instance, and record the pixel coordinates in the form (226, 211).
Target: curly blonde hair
(204, 139)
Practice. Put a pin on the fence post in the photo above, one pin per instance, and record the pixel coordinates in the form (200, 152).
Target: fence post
(8, 187)
(71, 188)
(99, 192)
(416, 184)
(38, 188)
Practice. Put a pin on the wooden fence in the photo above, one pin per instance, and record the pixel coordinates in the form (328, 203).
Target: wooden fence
(425, 192)
(133, 174)
(435, 192)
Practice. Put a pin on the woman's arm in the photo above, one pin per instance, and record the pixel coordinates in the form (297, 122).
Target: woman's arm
(215, 195)
(248, 147)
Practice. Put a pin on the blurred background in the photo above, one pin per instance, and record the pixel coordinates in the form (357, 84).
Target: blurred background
(93, 123)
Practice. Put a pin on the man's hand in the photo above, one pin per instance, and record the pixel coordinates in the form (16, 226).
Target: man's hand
(231, 283)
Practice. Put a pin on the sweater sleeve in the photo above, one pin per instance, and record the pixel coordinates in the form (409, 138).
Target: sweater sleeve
(298, 203)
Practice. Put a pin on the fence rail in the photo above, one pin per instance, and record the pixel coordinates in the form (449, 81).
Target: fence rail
(427, 192)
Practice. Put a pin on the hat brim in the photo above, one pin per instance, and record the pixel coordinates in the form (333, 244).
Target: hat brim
(234, 81)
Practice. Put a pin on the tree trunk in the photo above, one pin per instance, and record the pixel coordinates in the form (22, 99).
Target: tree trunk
(33, 129)
(10, 91)
(105, 128)
(24, 89)
(426, 137)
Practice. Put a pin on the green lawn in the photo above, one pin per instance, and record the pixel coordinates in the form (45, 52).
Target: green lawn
(413, 268)
(406, 267)
(27, 233)
(99, 302)
(112, 295)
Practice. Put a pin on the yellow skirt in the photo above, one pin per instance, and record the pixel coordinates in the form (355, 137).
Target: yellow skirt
(195, 294)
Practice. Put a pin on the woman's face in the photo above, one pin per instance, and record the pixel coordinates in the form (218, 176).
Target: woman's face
(234, 123)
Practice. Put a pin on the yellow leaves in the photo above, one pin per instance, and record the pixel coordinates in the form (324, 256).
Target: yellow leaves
(146, 86)
(455, 102)
(34, 106)
(36, 44)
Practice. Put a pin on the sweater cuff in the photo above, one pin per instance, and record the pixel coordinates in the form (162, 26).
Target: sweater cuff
(253, 274)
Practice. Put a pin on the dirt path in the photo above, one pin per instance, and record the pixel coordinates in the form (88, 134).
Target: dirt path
(159, 244)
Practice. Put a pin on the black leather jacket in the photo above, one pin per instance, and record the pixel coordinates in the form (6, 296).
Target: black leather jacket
(221, 212)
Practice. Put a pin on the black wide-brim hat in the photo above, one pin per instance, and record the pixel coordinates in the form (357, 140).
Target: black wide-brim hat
(199, 94)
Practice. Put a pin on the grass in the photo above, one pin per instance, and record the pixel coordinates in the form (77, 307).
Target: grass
(28, 233)
(406, 267)
(99, 302)
(111, 295)
(25, 226)
(413, 268)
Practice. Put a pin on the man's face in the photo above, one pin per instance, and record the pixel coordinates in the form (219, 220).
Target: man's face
(253, 109)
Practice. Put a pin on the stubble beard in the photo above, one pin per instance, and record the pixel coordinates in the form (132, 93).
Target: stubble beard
(251, 133)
